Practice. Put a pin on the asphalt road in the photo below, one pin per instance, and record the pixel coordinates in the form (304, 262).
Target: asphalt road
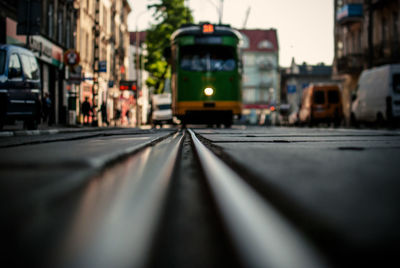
(340, 187)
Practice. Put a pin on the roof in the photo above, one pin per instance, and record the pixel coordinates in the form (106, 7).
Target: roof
(261, 40)
(16, 48)
(132, 37)
(315, 69)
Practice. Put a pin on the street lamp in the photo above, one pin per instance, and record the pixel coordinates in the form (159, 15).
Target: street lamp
(137, 65)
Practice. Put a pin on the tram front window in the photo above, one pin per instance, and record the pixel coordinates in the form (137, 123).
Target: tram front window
(207, 58)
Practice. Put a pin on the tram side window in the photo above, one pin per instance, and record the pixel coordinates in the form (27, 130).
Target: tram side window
(207, 58)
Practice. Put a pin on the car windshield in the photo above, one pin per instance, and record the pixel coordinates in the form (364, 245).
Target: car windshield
(207, 58)
(319, 97)
(30, 67)
(2, 61)
(164, 106)
(333, 96)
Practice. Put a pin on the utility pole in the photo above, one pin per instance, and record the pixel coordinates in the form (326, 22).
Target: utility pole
(138, 80)
(221, 10)
(246, 17)
(96, 55)
(28, 23)
(138, 71)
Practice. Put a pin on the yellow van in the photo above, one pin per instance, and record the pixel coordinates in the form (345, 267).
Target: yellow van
(321, 103)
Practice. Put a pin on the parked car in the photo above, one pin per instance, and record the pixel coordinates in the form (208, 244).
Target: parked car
(377, 97)
(321, 103)
(20, 87)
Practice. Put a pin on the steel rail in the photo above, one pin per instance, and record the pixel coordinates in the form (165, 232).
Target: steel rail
(260, 234)
(121, 210)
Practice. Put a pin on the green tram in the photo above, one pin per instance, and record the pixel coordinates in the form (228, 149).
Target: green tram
(206, 74)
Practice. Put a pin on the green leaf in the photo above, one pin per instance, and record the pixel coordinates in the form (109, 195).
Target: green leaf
(170, 15)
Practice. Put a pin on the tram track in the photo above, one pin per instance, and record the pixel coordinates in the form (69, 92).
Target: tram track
(261, 235)
(173, 203)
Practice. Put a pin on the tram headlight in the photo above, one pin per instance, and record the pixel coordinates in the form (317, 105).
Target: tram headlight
(208, 91)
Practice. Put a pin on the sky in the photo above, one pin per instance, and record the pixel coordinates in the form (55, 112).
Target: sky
(304, 27)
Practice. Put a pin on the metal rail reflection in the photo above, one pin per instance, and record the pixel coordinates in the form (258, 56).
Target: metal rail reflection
(120, 210)
(262, 237)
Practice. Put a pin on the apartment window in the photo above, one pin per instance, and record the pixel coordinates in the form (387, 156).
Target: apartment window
(249, 60)
(105, 20)
(249, 95)
(68, 33)
(384, 31)
(86, 44)
(50, 24)
(340, 49)
(395, 26)
(60, 31)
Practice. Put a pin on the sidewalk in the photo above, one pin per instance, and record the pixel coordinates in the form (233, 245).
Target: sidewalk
(43, 129)
(18, 130)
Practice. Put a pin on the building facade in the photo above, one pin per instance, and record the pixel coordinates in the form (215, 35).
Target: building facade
(261, 87)
(95, 29)
(366, 35)
(103, 45)
(137, 73)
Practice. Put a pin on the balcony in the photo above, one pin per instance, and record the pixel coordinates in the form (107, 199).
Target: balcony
(351, 64)
(386, 52)
(350, 13)
(266, 66)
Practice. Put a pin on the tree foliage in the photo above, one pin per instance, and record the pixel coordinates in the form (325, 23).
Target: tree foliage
(169, 16)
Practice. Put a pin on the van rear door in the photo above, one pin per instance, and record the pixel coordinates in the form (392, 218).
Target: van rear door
(394, 99)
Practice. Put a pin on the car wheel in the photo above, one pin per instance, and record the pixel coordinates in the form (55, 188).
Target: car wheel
(380, 122)
(353, 121)
(31, 124)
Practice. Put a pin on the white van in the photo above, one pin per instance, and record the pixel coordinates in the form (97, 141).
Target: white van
(378, 95)
(161, 109)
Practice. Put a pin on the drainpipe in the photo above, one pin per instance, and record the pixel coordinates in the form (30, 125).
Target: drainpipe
(370, 33)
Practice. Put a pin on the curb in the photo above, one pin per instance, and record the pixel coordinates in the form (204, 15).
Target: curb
(21, 133)
(28, 132)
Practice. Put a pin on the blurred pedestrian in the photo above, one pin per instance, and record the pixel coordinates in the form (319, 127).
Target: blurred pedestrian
(86, 108)
(47, 107)
(103, 109)
(117, 116)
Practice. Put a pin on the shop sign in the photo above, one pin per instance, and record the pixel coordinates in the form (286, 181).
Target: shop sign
(45, 50)
(75, 75)
(291, 89)
(102, 66)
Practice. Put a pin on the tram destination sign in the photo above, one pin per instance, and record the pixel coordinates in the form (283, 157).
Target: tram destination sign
(208, 40)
